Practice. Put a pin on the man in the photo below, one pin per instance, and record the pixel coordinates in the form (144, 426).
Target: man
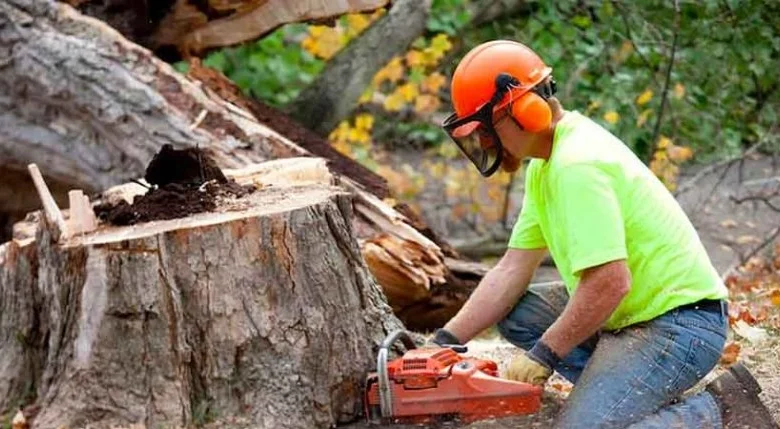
(642, 316)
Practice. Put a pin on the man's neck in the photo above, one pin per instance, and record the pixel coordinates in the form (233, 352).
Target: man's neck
(544, 144)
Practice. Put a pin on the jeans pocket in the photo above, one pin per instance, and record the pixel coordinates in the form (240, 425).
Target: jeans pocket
(702, 356)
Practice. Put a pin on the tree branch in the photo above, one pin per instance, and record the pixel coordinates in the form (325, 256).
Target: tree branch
(664, 94)
(335, 92)
(766, 199)
(630, 37)
(726, 162)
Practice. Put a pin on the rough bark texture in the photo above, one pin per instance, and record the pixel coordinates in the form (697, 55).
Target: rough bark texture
(191, 27)
(267, 313)
(337, 89)
(91, 109)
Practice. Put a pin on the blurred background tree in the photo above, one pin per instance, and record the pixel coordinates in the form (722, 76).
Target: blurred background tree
(677, 81)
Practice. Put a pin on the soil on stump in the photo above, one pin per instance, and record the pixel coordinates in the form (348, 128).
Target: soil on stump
(184, 182)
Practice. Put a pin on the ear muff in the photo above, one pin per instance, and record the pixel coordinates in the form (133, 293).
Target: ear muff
(532, 112)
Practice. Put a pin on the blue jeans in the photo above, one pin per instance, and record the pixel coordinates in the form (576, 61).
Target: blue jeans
(633, 377)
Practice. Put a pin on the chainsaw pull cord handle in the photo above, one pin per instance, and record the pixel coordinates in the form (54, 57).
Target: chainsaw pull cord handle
(385, 393)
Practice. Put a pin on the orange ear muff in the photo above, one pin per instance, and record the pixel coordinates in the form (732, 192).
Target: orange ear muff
(532, 112)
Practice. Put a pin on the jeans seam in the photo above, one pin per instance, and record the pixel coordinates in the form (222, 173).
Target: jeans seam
(686, 363)
(650, 370)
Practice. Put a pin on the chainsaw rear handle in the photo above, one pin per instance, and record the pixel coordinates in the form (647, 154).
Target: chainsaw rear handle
(385, 392)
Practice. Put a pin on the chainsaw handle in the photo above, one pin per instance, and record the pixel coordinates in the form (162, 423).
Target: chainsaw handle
(385, 392)
(395, 336)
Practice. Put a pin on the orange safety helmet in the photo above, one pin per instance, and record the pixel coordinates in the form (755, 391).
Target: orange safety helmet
(474, 82)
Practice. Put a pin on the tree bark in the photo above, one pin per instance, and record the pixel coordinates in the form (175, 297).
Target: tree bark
(338, 87)
(91, 109)
(192, 27)
(263, 311)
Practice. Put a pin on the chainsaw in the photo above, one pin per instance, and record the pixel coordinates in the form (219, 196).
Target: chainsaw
(438, 383)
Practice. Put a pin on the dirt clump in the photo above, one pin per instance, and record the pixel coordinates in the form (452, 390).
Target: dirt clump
(185, 182)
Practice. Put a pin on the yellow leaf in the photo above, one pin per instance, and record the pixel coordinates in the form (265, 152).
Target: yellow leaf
(595, 104)
(390, 201)
(679, 90)
(358, 135)
(408, 91)
(364, 121)
(774, 296)
(612, 117)
(367, 95)
(341, 133)
(326, 41)
(317, 30)
(393, 71)
(356, 23)
(343, 147)
(679, 153)
(433, 82)
(377, 14)
(664, 142)
(394, 102)
(642, 119)
(414, 58)
(438, 47)
(644, 97)
(426, 103)
(441, 43)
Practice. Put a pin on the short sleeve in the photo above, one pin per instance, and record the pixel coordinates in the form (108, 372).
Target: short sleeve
(527, 234)
(589, 211)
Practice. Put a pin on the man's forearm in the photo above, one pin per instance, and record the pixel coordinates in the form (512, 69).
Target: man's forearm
(496, 295)
(593, 303)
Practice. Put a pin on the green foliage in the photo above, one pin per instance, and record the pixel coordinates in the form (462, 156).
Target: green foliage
(447, 16)
(274, 69)
(606, 54)
(609, 58)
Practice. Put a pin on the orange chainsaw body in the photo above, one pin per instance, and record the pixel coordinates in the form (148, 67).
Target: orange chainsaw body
(429, 382)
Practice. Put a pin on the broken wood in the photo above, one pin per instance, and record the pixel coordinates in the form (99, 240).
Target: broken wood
(124, 104)
(188, 27)
(54, 218)
(262, 310)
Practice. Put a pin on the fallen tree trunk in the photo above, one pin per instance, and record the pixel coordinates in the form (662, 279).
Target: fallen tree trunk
(263, 310)
(188, 27)
(92, 108)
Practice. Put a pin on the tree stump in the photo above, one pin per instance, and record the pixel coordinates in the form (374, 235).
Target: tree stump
(263, 310)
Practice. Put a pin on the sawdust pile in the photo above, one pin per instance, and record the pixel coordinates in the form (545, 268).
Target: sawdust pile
(184, 182)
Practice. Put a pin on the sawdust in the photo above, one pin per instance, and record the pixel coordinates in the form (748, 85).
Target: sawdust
(185, 182)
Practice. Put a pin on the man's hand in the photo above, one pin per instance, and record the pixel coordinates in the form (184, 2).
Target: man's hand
(442, 338)
(527, 370)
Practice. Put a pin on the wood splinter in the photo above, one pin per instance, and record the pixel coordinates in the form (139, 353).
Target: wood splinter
(54, 219)
(82, 217)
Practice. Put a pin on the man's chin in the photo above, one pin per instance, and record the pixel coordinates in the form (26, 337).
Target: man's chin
(510, 164)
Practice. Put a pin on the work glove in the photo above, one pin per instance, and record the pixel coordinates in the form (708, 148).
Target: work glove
(442, 338)
(534, 366)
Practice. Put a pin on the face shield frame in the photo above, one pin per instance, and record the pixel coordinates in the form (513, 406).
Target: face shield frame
(476, 136)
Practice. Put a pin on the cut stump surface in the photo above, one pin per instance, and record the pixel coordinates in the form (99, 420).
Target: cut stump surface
(264, 311)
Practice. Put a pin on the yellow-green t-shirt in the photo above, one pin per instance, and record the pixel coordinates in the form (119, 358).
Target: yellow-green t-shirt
(593, 201)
